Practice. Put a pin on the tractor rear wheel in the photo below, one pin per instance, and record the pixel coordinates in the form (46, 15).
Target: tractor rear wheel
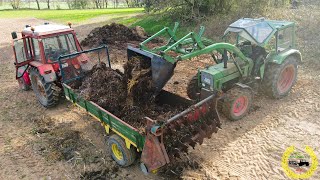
(280, 78)
(237, 103)
(193, 89)
(119, 151)
(47, 93)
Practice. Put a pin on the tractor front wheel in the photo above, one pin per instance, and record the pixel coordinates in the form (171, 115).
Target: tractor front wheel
(119, 151)
(193, 89)
(279, 79)
(237, 103)
(46, 93)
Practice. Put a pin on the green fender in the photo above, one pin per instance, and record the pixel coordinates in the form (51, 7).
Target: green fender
(279, 58)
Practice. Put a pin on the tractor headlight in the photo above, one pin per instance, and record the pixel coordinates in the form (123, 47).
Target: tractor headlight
(207, 81)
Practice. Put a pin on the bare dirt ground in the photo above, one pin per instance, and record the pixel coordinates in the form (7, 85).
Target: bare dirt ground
(247, 149)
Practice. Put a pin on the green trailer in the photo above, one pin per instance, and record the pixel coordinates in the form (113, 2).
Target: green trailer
(126, 141)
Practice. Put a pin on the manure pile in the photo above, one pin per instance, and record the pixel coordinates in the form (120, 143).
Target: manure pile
(113, 34)
(127, 95)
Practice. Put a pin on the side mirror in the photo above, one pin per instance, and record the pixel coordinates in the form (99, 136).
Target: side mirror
(14, 35)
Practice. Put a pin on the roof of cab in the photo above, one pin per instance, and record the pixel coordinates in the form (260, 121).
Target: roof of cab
(247, 22)
(260, 30)
(46, 29)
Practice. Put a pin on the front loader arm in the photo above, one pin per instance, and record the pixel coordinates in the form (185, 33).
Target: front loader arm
(222, 47)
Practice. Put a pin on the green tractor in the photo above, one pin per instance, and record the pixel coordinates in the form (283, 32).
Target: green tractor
(256, 54)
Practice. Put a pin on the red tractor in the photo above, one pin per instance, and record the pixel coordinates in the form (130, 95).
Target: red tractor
(37, 54)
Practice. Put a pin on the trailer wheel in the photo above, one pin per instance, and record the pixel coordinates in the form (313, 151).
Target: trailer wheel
(237, 103)
(47, 93)
(119, 152)
(193, 89)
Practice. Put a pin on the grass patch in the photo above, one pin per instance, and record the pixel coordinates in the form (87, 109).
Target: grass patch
(130, 21)
(65, 16)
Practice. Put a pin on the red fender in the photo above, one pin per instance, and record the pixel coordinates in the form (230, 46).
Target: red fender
(25, 76)
(46, 70)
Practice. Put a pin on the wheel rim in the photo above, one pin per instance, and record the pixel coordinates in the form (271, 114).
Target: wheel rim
(240, 105)
(116, 151)
(286, 79)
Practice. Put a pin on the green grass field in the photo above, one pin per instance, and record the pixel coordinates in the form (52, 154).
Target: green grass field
(152, 23)
(64, 16)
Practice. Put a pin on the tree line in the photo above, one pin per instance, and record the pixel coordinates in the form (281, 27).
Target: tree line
(76, 4)
(191, 10)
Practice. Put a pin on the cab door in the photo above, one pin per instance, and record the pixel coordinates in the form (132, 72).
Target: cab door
(23, 53)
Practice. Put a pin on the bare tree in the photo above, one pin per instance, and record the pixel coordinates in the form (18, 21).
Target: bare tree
(15, 4)
(37, 1)
(98, 4)
(69, 3)
(48, 3)
(115, 3)
(127, 1)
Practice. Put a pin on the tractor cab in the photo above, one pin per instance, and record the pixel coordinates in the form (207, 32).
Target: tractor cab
(257, 37)
(40, 47)
(46, 55)
(51, 41)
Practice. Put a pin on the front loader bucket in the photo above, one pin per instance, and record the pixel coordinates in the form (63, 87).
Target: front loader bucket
(162, 70)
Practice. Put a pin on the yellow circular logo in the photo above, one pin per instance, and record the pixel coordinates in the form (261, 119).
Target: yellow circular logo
(298, 165)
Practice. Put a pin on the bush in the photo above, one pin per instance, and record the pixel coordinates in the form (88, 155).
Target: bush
(197, 10)
(79, 4)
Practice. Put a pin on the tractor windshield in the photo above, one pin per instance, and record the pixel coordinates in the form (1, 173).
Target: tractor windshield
(256, 31)
(59, 45)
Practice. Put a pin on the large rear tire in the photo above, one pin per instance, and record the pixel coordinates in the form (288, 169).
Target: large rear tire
(193, 89)
(119, 151)
(237, 103)
(47, 93)
(280, 78)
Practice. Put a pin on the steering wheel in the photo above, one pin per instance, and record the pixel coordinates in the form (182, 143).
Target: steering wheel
(51, 46)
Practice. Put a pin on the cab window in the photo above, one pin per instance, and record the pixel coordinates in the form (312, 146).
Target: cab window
(59, 45)
(36, 49)
(285, 39)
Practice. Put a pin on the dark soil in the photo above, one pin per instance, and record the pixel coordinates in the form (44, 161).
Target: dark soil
(113, 34)
(129, 96)
(60, 143)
